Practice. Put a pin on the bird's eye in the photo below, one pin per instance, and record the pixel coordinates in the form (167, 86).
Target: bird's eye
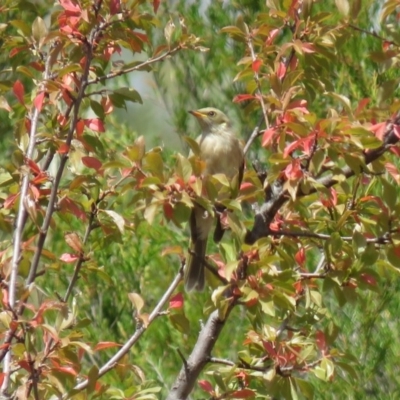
(211, 113)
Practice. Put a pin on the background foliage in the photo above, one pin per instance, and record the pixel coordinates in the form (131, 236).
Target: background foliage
(317, 294)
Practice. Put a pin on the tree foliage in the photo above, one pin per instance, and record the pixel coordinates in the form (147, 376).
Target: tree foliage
(301, 292)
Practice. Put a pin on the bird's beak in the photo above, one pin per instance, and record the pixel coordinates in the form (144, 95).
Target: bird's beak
(197, 114)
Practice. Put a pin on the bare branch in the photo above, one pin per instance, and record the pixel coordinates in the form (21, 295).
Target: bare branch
(254, 135)
(257, 79)
(378, 240)
(137, 67)
(199, 357)
(373, 34)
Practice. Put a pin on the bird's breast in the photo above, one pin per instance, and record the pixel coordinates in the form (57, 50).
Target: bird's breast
(223, 154)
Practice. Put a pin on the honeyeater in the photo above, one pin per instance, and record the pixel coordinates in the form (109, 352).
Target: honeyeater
(222, 153)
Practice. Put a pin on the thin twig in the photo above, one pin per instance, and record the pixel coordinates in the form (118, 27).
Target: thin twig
(378, 240)
(136, 67)
(222, 361)
(64, 158)
(138, 333)
(311, 275)
(81, 260)
(373, 33)
(254, 135)
(257, 79)
(19, 229)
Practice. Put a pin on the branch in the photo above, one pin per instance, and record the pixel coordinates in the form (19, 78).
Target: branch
(257, 78)
(18, 232)
(312, 275)
(82, 258)
(373, 33)
(276, 196)
(378, 240)
(64, 158)
(254, 135)
(110, 364)
(138, 67)
(199, 357)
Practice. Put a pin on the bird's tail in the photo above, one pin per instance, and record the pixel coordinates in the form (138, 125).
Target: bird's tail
(194, 270)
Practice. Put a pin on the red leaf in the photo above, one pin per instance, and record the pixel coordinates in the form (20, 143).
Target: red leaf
(67, 370)
(92, 162)
(16, 50)
(361, 105)
(300, 256)
(38, 102)
(243, 97)
(106, 345)
(243, 394)
(168, 210)
(329, 200)
(293, 170)
(176, 301)
(386, 45)
(141, 36)
(308, 47)
(80, 125)
(68, 5)
(298, 286)
(369, 279)
(10, 200)
(115, 7)
(66, 204)
(271, 36)
(156, 4)
(107, 105)
(396, 130)
(35, 169)
(246, 186)
(206, 386)
(268, 136)
(392, 169)
(63, 149)
(291, 147)
(300, 105)
(36, 65)
(270, 349)
(321, 342)
(69, 258)
(256, 65)
(378, 130)
(19, 91)
(395, 150)
(95, 124)
(281, 72)
(25, 365)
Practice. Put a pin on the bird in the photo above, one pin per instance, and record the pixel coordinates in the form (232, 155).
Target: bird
(222, 153)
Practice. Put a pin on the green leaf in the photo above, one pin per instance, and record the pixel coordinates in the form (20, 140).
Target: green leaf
(343, 7)
(235, 33)
(154, 163)
(128, 94)
(39, 29)
(390, 194)
(194, 146)
(97, 108)
(93, 376)
(180, 322)
(118, 219)
(359, 243)
(183, 168)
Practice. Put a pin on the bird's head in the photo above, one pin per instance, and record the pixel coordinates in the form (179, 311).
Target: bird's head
(211, 119)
